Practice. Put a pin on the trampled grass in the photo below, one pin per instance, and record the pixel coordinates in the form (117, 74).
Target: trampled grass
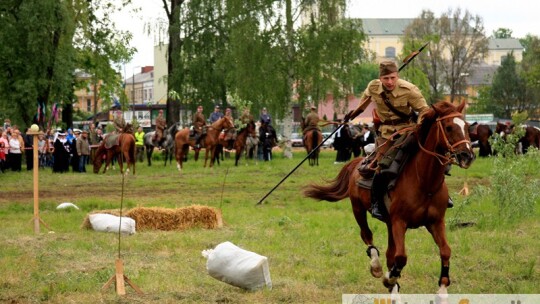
(314, 249)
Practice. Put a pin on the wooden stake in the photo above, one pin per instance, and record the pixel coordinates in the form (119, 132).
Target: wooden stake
(36, 218)
(119, 279)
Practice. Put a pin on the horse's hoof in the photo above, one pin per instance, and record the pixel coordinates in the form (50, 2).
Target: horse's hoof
(390, 282)
(376, 268)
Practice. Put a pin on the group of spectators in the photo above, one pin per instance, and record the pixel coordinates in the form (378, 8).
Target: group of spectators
(63, 151)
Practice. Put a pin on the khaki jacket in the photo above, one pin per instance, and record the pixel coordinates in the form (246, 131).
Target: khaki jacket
(198, 120)
(405, 97)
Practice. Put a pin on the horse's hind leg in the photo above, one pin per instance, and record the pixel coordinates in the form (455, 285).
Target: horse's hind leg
(437, 230)
(367, 236)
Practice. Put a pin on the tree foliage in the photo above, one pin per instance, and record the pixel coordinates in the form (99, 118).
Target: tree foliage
(43, 43)
(253, 50)
(508, 89)
(457, 42)
(36, 55)
(502, 33)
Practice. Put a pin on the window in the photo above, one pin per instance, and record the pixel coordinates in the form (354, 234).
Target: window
(390, 52)
(89, 105)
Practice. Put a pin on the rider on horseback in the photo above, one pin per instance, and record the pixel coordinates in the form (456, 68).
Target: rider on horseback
(396, 102)
(199, 122)
(312, 121)
(119, 122)
(161, 125)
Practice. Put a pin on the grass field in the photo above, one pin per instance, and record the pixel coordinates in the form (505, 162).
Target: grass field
(314, 249)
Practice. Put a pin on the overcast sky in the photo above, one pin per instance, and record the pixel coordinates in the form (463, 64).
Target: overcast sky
(518, 15)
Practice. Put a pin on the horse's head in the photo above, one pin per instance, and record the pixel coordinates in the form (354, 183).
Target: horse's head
(224, 123)
(98, 161)
(444, 127)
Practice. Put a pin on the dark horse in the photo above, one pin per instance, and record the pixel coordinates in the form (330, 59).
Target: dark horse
(312, 139)
(241, 139)
(167, 145)
(121, 145)
(481, 133)
(209, 142)
(420, 195)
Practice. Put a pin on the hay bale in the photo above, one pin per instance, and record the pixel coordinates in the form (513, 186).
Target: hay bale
(157, 218)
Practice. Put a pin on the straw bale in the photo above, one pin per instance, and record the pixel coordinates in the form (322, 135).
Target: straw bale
(157, 218)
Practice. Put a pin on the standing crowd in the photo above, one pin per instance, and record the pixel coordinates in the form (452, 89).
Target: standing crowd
(60, 150)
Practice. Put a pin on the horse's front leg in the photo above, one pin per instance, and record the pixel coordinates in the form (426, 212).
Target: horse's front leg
(360, 215)
(438, 231)
(395, 255)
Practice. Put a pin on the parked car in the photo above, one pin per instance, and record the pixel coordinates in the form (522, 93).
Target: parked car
(329, 143)
(296, 140)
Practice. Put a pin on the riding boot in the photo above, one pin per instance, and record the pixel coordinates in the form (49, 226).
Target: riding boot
(197, 141)
(450, 203)
(377, 196)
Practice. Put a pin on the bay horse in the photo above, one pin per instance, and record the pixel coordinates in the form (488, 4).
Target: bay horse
(530, 138)
(419, 196)
(241, 140)
(481, 133)
(167, 145)
(209, 142)
(121, 145)
(312, 139)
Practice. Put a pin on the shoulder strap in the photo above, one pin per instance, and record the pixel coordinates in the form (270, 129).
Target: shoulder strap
(392, 108)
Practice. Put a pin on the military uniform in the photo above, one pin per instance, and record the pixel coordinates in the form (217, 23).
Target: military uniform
(119, 124)
(405, 97)
(161, 124)
(311, 122)
(199, 121)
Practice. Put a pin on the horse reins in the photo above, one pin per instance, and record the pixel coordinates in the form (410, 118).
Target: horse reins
(451, 148)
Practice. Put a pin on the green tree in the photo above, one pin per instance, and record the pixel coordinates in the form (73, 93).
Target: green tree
(530, 72)
(508, 89)
(502, 33)
(43, 43)
(99, 47)
(457, 42)
(36, 55)
(252, 49)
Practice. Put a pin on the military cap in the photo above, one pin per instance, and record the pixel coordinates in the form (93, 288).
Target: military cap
(387, 67)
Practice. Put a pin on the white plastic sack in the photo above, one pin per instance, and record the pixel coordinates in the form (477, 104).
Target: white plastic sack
(109, 223)
(67, 205)
(369, 148)
(238, 267)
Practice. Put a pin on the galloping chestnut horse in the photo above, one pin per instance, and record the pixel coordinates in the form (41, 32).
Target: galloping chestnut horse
(123, 148)
(209, 142)
(241, 139)
(420, 195)
(312, 139)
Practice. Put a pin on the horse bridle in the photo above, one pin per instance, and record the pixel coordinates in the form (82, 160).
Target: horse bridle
(448, 158)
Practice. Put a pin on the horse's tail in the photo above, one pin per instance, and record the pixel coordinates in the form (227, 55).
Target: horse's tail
(338, 187)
